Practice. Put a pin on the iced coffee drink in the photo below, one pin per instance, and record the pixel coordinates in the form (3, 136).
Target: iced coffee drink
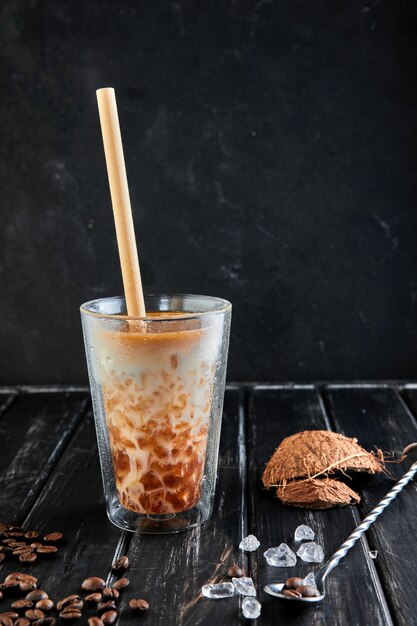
(159, 400)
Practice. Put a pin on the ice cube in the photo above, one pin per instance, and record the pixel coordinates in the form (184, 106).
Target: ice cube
(373, 554)
(251, 608)
(216, 591)
(249, 543)
(311, 552)
(244, 586)
(280, 556)
(303, 533)
(309, 580)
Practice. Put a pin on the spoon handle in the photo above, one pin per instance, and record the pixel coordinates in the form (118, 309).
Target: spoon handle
(364, 525)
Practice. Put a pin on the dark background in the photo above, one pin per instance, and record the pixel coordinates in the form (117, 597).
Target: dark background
(271, 154)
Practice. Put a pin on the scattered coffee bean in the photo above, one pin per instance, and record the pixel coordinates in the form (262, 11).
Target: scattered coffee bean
(293, 583)
(20, 577)
(110, 593)
(6, 621)
(45, 621)
(22, 621)
(71, 600)
(28, 557)
(9, 614)
(308, 591)
(293, 593)
(93, 598)
(94, 583)
(36, 595)
(45, 605)
(26, 586)
(95, 621)
(21, 605)
(47, 550)
(35, 545)
(70, 615)
(53, 537)
(16, 533)
(106, 606)
(120, 584)
(34, 614)
(32, 534)
(120, 565)
(109, 618)
(235, 571)
(139, 605)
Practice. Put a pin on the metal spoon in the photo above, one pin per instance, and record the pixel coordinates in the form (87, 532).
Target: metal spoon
(275, 589)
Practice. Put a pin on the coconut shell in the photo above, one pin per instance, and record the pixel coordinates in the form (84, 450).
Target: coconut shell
(313, 452)
(316, 493)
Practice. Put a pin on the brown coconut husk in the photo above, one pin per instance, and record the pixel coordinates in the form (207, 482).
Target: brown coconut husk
(314, 453)
(314, 493)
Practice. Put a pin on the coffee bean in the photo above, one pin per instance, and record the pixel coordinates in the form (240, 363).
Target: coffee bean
(120, 565)
(18, 551)
(1, 595)
(45, 605)
(94, 583)
(6, 621)
(121, 584)
(235, 571)
(22, 621)
(69, 600)
(34, 614)
(22, 605)
(109, 618)
(28, 557)
(10, 614)
(45, 621)
(21, 577)
(139, 605)
(47, 550)
(293, 583)
(53, 537)
(95, 621)
(106, 606)
(32, 534)
(16, 533)
(292, 593)
(36, 595)
(110, 593)
(93, 598)
(26, 586)
(70, 615)
(308, 591)
(13, 527)
(35, 545)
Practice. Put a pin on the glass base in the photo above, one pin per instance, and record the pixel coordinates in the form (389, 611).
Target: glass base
(156, 524)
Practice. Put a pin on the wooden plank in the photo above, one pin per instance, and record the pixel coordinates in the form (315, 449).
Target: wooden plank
(72, 502)
(6, 400)
(33, 431)
(354, 595)
(379, 417)
(169, 570)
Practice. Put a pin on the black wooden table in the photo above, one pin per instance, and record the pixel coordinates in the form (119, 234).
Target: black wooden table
(49, 478)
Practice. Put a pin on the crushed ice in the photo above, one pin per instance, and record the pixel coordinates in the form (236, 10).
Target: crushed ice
(280, 556)
(251, 608)
(311, 552)
(304, 533)
(244, 586)
(249, 543)
(217, 591)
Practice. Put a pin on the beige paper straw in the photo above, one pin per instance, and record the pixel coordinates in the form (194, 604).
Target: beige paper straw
(122, 210)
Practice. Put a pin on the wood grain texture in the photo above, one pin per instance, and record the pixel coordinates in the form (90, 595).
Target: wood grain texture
(169, 570)
(273, 415)
(378, 417)
(33, 431)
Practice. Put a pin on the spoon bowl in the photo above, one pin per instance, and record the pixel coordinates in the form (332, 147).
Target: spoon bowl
(276, 589)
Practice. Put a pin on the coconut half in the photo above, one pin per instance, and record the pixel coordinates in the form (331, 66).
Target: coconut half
(302, 464)
(314, 493)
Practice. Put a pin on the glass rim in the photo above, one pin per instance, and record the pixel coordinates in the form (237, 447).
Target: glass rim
(223, 306)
